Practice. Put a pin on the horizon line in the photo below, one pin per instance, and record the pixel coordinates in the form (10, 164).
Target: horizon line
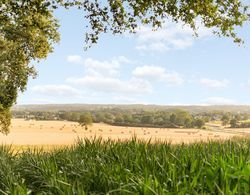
(121, 104)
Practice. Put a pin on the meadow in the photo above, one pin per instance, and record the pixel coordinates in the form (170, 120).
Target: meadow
(129, 167)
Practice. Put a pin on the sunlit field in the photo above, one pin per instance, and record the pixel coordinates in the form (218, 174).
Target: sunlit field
(63, 133)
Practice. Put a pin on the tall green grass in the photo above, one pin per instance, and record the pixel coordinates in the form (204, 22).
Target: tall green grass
(131, 167)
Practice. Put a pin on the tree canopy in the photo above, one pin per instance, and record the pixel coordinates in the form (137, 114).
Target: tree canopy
(28, 30)
(85, 120)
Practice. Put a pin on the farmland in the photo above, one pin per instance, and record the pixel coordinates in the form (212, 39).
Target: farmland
(44, 133)
(130, 97)
(62, 157)
(129, 167)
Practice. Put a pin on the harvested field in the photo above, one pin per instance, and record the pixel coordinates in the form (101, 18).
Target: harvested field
(60, 133)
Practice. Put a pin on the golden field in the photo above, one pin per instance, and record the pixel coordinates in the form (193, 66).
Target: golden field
(62, 133)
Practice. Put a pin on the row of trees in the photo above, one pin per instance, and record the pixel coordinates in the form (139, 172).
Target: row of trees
(138, 117)
(235, 120)
(235, 123)
(175, 119)
(120, 117)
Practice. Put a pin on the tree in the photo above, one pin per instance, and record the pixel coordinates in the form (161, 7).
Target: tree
(100, 117)
(181, 116)
(237, 117)
(74, 116)
(127, 118)
(27, 32)
(225, 119)
(188, 123)
(199, 123)
(118, 118)
(147, 118)
(65, 116)
(85, 120)
(108, 118)
(118, 16)
(172, 118)
(29, 29)
(233, 123)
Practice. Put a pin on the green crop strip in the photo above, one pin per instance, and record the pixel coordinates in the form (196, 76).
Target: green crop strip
(131, 167)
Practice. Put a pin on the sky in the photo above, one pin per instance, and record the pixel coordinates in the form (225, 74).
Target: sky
(166, 67)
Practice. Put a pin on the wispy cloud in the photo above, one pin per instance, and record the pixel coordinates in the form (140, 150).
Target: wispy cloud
(170, 36)
(56, 90)
(213, 83)
(112, 85)
(157, 73)
(219, 101)
(101, 68)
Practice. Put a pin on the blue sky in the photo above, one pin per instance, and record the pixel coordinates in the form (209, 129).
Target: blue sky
(167, 67)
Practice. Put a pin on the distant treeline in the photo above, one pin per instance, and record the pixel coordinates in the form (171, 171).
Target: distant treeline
(242, 125)
(235, 109)
(172, 118)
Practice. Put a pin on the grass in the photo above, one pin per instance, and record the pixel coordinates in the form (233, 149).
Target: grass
(130, 167)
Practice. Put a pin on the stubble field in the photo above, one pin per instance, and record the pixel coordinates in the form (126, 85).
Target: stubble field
(59, 133)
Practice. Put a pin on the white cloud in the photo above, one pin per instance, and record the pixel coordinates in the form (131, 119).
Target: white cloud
(213, 83)
(219, 101)
(56, 90)
(102, 77)
(159, 47)
(109, 68)
(91, 63)
(149, 72)
(122, 59)
(101, 68)
(170, 36)
(112, 85)
(76, 59)
(157, 73)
